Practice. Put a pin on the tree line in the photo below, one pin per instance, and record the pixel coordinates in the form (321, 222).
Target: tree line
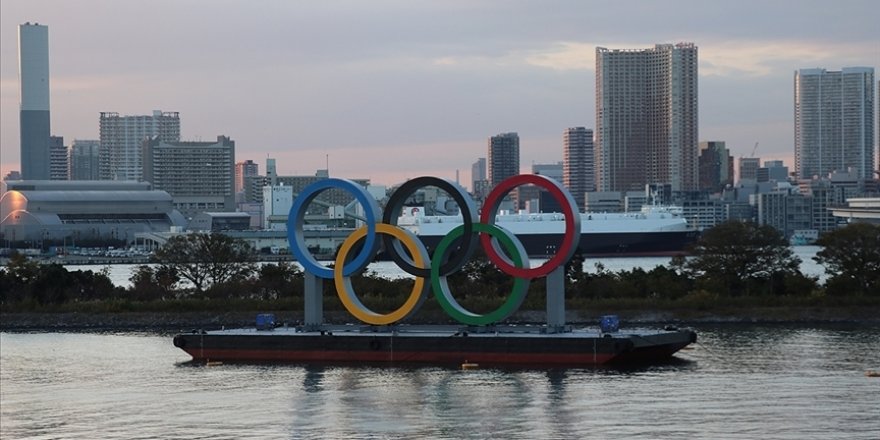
(731, 260)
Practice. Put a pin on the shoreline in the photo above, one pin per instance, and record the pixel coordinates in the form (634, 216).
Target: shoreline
(188, 321)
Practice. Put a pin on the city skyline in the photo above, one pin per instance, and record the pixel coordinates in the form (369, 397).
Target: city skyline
(295, 81)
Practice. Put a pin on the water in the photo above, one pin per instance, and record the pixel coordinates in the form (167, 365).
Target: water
(737, 382)
(120, 273)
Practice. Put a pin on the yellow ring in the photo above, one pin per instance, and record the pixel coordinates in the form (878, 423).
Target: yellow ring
(343, 283)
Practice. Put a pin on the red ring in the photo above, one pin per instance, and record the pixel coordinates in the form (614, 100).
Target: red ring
(570, 239)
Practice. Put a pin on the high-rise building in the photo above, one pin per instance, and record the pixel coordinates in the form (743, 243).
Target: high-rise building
(244, 169)
(834, 121)
(646, 117)
(83, 159)
(57, 158)
(478, 172)
(200, 176)
(503, 157)
(748, 169)
(716, 166)
(271, 171)
(122, 138)
(578, 166)
(773, 170)
(33, 73)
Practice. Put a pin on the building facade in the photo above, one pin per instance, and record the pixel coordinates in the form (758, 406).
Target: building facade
(578, 165)
(33, 65)
(834, 121)
(478, 173)
(83, 160)
(748, 170)
(39, 212)
(122, 138)
(503, 157)
(646, 117)
(200, 176)
(716, 166)
(773, 170)
(244, 169)
(57, 158)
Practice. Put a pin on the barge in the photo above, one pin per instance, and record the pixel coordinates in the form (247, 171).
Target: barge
(435, 345)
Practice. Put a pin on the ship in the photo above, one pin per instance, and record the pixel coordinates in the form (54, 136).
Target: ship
(653, 231)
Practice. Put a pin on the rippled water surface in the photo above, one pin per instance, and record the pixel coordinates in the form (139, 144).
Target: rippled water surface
(737, 382)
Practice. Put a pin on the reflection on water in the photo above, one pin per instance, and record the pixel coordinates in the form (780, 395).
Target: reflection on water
(737, 382)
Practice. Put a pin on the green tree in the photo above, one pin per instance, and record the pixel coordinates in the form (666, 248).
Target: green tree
(22, 269)
(277, 280)
(733, 256)
(148, 283)
(17, 279)
(206, 259)
(851, 256)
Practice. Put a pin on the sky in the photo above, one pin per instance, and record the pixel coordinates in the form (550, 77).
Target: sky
(391, 90)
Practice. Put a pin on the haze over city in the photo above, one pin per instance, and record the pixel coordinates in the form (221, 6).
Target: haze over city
(394, 90)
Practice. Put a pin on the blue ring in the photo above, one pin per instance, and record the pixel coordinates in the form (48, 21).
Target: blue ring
(296, 220)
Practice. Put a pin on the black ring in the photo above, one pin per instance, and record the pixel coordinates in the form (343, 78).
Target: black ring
(469, 216)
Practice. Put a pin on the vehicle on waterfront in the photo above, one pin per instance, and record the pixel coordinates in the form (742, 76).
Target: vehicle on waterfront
(653, 231)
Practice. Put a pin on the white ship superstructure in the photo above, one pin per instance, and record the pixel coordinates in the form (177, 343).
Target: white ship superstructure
(655, 230)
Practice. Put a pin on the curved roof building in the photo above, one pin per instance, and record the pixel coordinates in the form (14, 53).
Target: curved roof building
(29, 213)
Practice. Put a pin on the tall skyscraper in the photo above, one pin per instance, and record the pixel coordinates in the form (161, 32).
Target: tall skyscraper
(57, 158)
(716, 166)
(83, 159)
(578, 166)
(33, 74)
(834, 121)
(646, 117)
(122, 138)
(503, 157)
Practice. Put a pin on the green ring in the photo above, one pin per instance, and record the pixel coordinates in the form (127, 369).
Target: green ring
(441, 286)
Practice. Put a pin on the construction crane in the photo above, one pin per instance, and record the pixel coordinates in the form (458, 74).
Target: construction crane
(753, 150)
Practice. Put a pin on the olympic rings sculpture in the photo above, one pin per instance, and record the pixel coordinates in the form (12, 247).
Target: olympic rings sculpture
(453, 251)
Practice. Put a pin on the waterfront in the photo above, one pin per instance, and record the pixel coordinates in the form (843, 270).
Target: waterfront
(120, 273)
(771, 382)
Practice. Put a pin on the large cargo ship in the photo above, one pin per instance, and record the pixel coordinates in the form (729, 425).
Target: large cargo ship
(653, 231)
